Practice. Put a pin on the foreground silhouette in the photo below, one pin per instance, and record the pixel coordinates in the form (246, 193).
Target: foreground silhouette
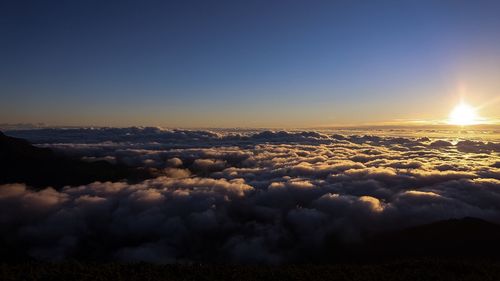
(21, 162)
(418, 269)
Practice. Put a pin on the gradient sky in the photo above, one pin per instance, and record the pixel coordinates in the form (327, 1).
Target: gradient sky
(246, 63)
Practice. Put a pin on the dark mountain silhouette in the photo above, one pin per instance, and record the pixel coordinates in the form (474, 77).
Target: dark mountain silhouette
(21, 162)
(454, 238)
(465, 238)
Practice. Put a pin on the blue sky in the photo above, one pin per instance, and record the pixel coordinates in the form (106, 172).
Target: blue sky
(245, 63)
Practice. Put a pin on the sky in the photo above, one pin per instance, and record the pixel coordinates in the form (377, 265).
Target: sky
(246, 63)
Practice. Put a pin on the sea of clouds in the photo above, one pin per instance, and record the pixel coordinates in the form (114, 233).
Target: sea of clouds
(262, 196)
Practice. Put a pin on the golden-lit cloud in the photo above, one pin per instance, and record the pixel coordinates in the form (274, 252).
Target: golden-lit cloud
(231, 195)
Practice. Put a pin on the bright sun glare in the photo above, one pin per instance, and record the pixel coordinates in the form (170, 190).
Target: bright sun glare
(463, 114)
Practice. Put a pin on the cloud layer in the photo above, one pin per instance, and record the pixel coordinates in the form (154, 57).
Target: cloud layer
(267, 196)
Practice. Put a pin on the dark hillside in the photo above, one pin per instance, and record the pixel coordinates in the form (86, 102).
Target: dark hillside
(21, 162)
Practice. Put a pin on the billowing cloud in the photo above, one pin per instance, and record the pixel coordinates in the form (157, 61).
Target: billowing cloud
(265, 196)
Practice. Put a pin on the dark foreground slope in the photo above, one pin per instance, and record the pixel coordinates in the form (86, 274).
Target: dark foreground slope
(420, 269)
(467, 237)
(455, 239)
(21, 162)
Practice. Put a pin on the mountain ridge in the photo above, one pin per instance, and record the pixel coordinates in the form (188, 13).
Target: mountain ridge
(21, 162)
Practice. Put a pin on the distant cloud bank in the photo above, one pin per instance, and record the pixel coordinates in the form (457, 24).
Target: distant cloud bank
(268, 196)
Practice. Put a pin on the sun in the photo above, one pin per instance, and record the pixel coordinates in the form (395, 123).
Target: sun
(462, 115)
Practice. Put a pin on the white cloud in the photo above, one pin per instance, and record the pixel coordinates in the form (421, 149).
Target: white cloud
(264, 197)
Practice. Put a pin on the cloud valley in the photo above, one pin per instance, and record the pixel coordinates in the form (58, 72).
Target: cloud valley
(263, 197)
